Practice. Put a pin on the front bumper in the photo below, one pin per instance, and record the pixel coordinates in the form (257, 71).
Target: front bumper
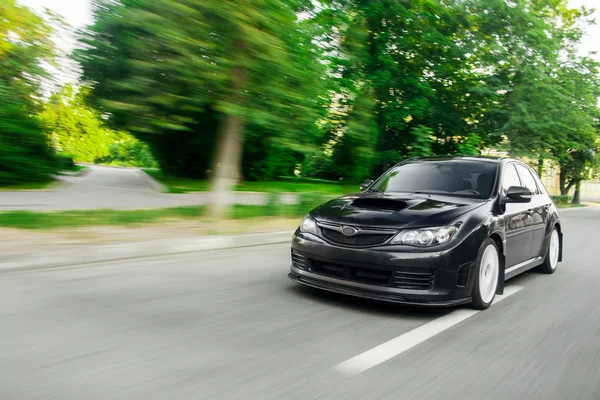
(350, 271)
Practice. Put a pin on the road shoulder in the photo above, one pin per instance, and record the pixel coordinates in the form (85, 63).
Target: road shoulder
(91, 254)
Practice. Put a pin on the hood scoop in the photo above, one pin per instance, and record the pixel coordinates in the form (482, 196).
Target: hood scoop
(380, 203)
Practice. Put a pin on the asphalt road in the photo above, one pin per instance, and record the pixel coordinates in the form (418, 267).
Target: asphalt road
(109, 188)
(230, 325)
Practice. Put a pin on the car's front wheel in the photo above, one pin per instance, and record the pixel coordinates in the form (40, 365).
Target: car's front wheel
(487, 271)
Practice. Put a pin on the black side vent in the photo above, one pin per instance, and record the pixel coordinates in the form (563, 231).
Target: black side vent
(414, 278)
(299, 261)
(463, 275)
(388, 204)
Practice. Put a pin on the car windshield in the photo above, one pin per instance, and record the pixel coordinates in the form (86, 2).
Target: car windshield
(447, 177)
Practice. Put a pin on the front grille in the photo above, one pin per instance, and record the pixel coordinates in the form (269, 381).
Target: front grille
(359, 240)
(414, 278)
(299, 261)
(356, 274)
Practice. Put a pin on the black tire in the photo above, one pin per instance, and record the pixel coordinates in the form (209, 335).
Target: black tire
(477, 299)
(551, 260)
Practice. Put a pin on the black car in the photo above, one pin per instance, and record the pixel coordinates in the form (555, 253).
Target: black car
(438, 231)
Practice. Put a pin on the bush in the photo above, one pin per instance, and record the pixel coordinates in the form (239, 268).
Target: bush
(306, 180)
(273, 205)
(130, 152)
(65, 162)
(24, 152)
(561, 199)
(322, 167)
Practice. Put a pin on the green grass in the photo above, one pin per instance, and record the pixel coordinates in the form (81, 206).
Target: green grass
(244, 212)
(569, 205)
(184, 185)
(74, 219)
(29, 186)
(298, 187)
(38, 185)
(178, 185)
(66, 219)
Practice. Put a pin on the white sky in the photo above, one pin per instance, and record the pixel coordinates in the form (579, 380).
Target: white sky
(77, 13)
(591, 42)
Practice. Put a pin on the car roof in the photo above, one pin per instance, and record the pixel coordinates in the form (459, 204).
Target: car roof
(484, 158)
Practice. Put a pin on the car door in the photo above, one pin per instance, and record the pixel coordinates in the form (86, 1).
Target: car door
(516, 221)
(537, 211)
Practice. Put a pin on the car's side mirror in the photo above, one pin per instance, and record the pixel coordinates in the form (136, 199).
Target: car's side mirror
(365, 184)
(518, 194)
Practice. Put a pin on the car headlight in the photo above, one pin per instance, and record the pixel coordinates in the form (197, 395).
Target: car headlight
(425, 237)
(308, 225)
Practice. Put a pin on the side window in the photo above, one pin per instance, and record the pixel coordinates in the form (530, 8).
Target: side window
(527, 179)
(510, 178)
(541, 187)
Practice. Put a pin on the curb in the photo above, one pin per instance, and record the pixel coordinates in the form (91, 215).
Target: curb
(57, 186)
(584, 207)
(153, 183)
(123, 251)
(105, 166)
(79, 173)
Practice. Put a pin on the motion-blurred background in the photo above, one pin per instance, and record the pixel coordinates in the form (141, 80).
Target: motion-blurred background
(232, 110)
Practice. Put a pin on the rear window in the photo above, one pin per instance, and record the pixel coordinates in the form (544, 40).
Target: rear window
(449, 177)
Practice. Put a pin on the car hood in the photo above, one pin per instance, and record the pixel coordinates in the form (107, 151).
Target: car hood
(395, 210)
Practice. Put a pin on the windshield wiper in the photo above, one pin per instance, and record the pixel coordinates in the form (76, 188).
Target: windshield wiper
(421, 192)
(430, 192)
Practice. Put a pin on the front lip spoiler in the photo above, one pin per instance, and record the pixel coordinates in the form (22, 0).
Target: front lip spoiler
(372, 295)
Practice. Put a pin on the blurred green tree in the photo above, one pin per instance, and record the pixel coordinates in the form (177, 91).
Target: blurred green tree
(161, 68)
(24, 44)
(338, 89)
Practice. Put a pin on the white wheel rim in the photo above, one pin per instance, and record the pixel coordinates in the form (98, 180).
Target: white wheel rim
(554, 249)
(488, 274)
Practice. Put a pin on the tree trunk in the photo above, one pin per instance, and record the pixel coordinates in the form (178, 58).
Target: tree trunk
(540, 166)
(227, 165)
(577, 195)
(562, 183)
(226, 168)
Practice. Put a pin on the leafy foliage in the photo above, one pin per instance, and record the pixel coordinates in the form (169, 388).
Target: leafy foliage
(459, 77)
(24, 44)
(66, 162)
(130, 152)
(24, 152)
(77, 129)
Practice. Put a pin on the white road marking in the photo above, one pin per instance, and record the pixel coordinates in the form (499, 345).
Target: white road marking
(406, 341)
